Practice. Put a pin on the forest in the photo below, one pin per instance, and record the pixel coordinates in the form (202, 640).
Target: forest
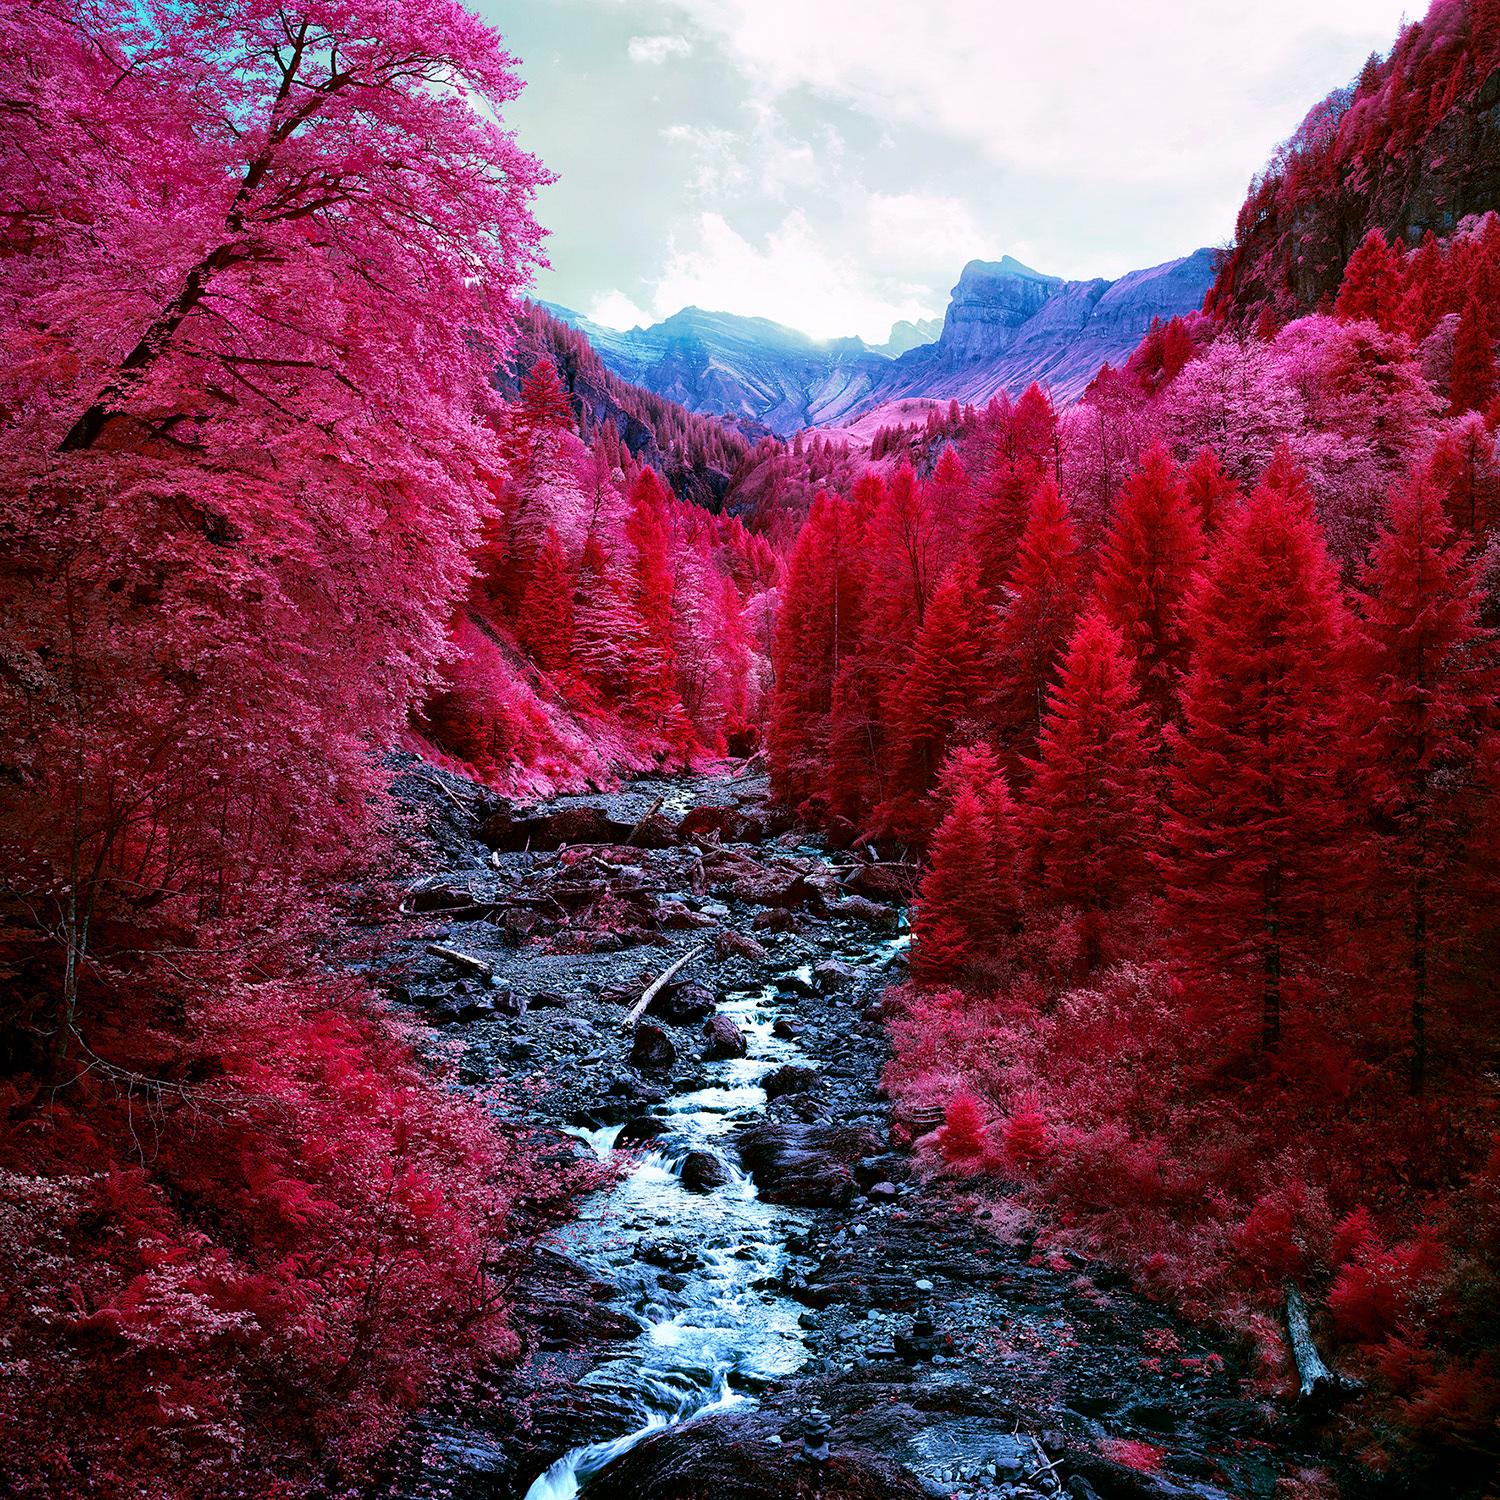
(1182, 701)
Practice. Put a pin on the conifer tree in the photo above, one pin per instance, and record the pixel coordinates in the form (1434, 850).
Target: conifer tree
(1426, 724)
(1213, 492)
(1471, 386)
(1089, 810)
(952, 661)
(968, 899)
(1372, 284)
(545, 625)
(1151, 555)
(1042, 599)
(1256, 832)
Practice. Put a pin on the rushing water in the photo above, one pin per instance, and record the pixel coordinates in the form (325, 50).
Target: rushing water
(723, 1335)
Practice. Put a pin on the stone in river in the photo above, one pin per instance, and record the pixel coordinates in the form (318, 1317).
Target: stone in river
(652, 1048)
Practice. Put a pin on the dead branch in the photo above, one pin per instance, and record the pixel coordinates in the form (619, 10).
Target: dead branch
(646, 818)
(656, 986)
(465, 961)
(1321, 1387)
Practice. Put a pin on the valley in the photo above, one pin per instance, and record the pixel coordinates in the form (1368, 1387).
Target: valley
(758, 1280)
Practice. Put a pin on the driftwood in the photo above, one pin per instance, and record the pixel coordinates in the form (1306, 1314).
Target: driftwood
(465, 961)
(646, 818)
(656, 986)
(1321, 1387)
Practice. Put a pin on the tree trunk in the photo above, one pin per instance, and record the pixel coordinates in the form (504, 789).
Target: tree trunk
(655, 987)
(1270, 1006)
(1319, 1386)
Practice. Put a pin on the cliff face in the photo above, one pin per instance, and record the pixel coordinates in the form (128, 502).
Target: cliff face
(1008, 326)
(1412, 146)
(1005, 326)
(991, 303)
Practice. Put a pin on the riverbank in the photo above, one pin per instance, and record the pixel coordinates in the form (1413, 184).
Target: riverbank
(767, 1268)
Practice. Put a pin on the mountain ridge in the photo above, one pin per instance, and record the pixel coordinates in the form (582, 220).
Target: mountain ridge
(1006, 325)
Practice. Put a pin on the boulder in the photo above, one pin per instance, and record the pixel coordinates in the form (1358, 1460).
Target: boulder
(890, 883)
(790, 1078)
(683, 1003)
(804, 1164)
(729, 1456)
(702, 1171)
(722, 1038)
(547, 828)
(832, 975)
(860, 909)
(641, 1128)
(738, 945)
(652, 1048)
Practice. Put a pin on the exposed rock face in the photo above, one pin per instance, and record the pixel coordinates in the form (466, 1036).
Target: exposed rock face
(1006, 326)
(993, 299)
(730, 1457)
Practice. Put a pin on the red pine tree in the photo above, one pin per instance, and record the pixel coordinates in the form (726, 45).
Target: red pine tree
(1425, 717)
(949, 670)
(1090, 807)
(1152, 553)
(1211, 490)
(968, 897)
(545, 625)
(1042, 602)
(1254, 836)
(1372, 284)
(1471, 386)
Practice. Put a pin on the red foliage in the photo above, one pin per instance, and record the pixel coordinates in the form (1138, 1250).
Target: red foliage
(968, 897)
(1090, 807)
(1154, 548)
(1255, 836)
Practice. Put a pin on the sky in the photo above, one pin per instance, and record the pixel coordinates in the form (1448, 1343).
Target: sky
(833, 164)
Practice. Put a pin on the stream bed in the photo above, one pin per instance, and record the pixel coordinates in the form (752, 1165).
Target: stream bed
(765, 1299)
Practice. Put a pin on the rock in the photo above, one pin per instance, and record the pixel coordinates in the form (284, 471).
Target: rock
(725, 823)
(860, 909)
(882, 1190)
(737, 945)
(790, 1078)
(730, 1456)
(802, 1164)
(796, 983)
(786, 1028)
(888, 883)
(722, 1038)
(702, 1171)
(668, 1254)
(641, 1128)
(684, 1003)
(551, 1000)
(548, 828)
(447, 899)
(676, 917)
(834, 975)
(652, 1048)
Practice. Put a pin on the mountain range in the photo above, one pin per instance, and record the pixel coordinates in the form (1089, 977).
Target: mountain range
(1006, 325)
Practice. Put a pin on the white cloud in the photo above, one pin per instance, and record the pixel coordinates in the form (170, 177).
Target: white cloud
(1185, 93)
(657, 49)
(793, 276)
(613, 309)
(765, 158)
(915, 231)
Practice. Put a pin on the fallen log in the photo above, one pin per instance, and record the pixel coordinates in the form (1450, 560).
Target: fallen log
(659, 983)
(1320, 1386)
(646, 817)
(465, 961)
